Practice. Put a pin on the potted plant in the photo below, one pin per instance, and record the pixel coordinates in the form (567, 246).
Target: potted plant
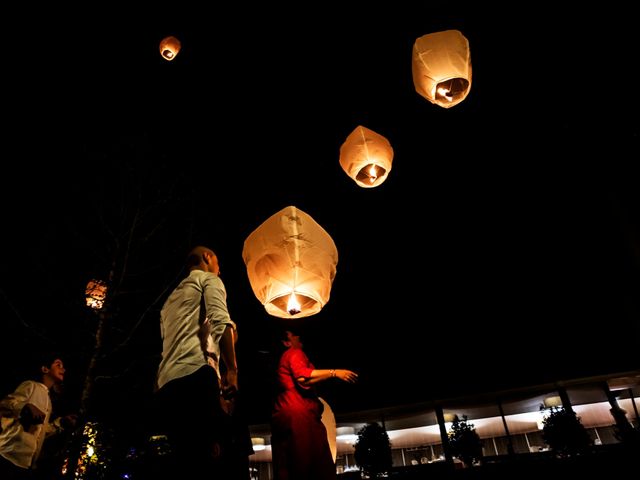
(464, 441)
(373, 450)
(564, 433)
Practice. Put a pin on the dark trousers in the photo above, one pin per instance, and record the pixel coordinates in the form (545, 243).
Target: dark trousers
(9, 471)
(188, 411)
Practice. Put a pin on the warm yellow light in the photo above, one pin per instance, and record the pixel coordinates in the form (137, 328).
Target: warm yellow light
(290, 252)
(346, 434)
(449, 418)
(169, 47)
(366, 157)
(293, 305)
(443, 92)
(553, 401)
(258, 444)
(441, 67)
(95, 294)
(373, 173)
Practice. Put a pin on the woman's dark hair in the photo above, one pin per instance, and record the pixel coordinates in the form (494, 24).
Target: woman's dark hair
(284, 326)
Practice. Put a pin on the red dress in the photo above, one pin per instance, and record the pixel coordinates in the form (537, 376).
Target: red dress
(298, 438)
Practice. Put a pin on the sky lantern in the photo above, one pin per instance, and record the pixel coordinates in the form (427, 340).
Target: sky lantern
(169, 47)
(366, 157)
(441, 67)
(96, 294)
(291, 263)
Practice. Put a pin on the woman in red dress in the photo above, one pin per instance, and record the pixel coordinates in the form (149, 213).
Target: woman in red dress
(298, 437)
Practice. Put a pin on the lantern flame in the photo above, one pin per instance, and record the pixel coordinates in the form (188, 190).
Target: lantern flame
(373, 173)
(293, 305)
(445, 93)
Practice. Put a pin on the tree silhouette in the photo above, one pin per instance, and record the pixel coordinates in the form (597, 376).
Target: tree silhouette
(464, 441)
(373, 450)
(564, 433)
(126, 233)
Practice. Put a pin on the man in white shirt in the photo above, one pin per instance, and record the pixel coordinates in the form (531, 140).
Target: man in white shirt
(197, 333)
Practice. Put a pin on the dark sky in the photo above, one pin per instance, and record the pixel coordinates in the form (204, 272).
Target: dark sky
(506, 237)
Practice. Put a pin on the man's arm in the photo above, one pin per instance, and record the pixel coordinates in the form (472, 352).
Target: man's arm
(228, 356)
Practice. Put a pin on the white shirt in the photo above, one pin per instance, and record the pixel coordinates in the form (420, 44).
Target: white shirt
(192, 321)
(19, 446)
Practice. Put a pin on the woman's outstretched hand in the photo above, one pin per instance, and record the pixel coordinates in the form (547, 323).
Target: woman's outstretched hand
(346, 375)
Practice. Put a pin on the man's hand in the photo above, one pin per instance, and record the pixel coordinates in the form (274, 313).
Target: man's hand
(69, 421)
(30, 416)
(230, 384)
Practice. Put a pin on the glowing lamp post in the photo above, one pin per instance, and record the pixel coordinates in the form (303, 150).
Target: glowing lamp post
(366, 157)
(95, 294)
(441, 67)
(291, 263)
(169, 47)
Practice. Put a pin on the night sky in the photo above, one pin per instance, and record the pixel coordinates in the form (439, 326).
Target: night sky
(505, 239)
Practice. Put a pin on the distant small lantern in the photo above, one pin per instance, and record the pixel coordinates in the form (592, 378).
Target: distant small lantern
(441, 67)
(96, 293)
(366, 157)
(291, 263)
(169, 47)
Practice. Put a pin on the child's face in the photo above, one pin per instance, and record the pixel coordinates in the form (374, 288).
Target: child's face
(55, 371)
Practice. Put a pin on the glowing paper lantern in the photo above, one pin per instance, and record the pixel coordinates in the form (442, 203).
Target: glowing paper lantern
(441, 67)
(366, 157)
(169, 47)
(95, 294)
(291, 263)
